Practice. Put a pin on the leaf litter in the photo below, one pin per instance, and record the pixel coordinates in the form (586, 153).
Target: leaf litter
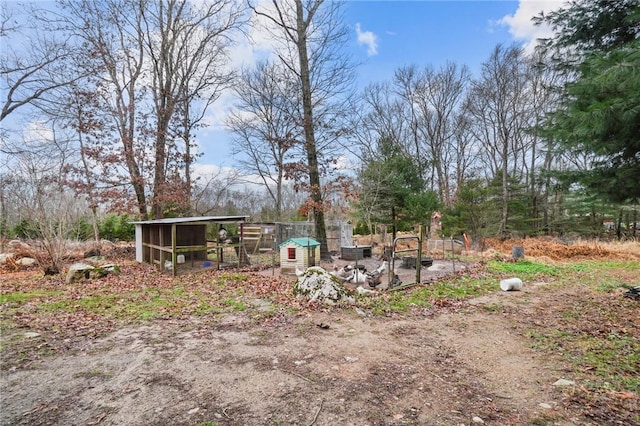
(405, 375)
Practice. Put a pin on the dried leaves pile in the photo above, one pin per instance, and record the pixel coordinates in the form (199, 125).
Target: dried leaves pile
(558, 250)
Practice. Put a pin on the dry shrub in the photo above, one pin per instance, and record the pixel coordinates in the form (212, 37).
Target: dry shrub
(367, 240)
(21, 252)
(559, 250)
(492, 254)
(10, 265)
(631, 247)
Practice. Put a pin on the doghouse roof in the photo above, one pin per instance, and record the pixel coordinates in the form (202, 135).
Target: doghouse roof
(302, 242)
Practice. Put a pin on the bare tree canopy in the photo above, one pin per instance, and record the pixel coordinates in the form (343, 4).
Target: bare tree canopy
(35, 60)
(265, 126)
(312, 38)
(157, 66)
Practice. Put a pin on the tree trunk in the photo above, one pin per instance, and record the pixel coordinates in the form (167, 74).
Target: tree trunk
(505, 191)
(187, 159)
(309, 134)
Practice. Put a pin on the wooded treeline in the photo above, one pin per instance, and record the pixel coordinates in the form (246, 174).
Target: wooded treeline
(103, 106)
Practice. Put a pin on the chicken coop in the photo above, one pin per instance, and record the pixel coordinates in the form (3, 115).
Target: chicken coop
(339, 234)
(298, 253)
(260, 237)
(181, 242)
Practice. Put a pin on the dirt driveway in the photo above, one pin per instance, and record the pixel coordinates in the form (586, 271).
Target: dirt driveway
(457, 365)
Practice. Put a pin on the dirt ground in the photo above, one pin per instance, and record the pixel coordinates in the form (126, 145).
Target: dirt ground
(461, 363)
(443, 369)
(464, 365)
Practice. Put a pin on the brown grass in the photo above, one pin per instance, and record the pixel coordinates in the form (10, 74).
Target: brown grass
(558, 250)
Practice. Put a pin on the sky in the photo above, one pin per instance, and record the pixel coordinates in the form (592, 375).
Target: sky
(386, 35)
(389, 34)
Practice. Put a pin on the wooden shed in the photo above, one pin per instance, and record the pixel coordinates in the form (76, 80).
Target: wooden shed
(299, 253)
(169, 242)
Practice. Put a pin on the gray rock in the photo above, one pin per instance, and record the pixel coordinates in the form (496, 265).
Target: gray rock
(111, 268)
(477, 420)
(95, 260)
(79, 272)
(17, 245)
(545, 406)
(27, 261)
(84, 271)
(564, 382)
(4, 257)
(320, 286)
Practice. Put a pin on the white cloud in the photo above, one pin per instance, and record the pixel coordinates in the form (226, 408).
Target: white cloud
(223, 175)
(368, 39)
(219, 111)
(522, 28)
(257, 44)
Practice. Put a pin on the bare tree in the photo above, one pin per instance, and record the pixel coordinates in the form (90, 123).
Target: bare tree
(407, 82)
(37, 190)
(379, 114)
(34, 59)
(110, 32)
(186, 46)
(312, 37)
(498, 104)
(438, 98)
(420, 111)
(213, 190)
(543, 97)
(265, 126)
(159, 66)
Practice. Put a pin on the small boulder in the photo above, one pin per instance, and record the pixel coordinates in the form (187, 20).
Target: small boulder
(18, 246)
(318, 285)
(85, 271)
(94, 260)
(104, 270)
(4, 257)
(111, 268)
(27, 262)
(94, 252)
(564, 382)
(79, 272)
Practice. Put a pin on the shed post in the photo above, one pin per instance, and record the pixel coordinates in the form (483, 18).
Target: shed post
(174, 255)
(419, 256)
(139, 256)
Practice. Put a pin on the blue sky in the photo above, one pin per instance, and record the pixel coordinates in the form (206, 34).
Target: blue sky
(427, 32)
(387, 35)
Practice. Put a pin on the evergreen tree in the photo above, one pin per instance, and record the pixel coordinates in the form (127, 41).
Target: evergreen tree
(393, 191)
(597, 41)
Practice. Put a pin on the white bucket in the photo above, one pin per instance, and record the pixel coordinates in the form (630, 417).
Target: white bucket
(180, 258)
(511, 284)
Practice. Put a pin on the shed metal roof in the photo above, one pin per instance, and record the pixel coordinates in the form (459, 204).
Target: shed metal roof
(186, 220)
